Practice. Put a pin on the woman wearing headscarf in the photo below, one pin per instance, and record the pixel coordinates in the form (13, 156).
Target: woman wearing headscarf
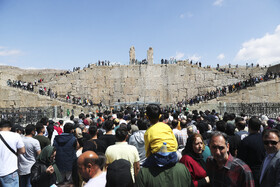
(44, 172)
(192, 158)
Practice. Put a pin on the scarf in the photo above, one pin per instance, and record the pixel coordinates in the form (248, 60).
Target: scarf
(44, 158)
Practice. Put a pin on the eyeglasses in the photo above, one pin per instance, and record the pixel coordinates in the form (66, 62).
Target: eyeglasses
(266, 142)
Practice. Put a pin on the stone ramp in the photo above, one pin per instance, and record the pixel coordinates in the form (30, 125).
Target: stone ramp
(18, 98)
(264, 92)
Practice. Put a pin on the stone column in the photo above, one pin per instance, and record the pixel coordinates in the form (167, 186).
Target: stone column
(132, 55)
(150, 56)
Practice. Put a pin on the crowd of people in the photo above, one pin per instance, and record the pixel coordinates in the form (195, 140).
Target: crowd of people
(222, 91)
(147, 147)
(29, 86)
(79, 101)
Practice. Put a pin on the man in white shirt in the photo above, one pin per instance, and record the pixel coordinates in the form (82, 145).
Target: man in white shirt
(89, 166)
(121, 150)
(9, 159)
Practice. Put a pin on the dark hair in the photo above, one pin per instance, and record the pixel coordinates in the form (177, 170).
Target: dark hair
(60, 122)
(132, 114)
(71, 117)
(68, 127)
(92, 130)
(174, 123)
(238, 119)
(108, 125)
(153, 112)
(102, 160)
(218, 133)
(81, 116)
(221, 126)
(44, 120)
(183, 124)
(93, 161)
(39, 126)
(121, 133)
(142, 124)
(254, 123)
(189, 144)
(119, 169)
(232, 116)
(120, 115)
(5, 123)
(266, 133)
(29, 128)
(50, 130)
(241, 124)
(133, 121)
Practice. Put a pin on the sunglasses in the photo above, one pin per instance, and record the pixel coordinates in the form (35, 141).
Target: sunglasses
(266, 142)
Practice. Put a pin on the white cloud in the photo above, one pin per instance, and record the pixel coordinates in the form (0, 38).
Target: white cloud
(7, 52)
(188, 15)
(218, 3)
(194, 57)
(221, 56)
(263, 51)
(179, 55)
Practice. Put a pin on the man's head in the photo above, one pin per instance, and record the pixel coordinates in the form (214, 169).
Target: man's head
(5, 124)
(30, 130)
(183, 124)
(153, 112)
(45, 121)
(68, 127)
(271, 139)
(92, 130)
(88, 165)
(174, 123)
(40, 128)
(219, 146)
(121, 133)
(240, 124)
(254, 124)
(142, 124)
(221, 126)
(108, 125)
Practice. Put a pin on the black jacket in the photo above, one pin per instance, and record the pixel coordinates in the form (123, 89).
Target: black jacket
(39, 177)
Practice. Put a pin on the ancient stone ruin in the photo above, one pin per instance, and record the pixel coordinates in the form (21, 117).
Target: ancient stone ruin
(132, 57)
(150, 56)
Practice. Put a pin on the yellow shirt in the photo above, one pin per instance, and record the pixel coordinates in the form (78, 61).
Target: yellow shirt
(156, 135)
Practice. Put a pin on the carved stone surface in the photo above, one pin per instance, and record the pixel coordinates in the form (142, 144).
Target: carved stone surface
(150, 56)
(166, 84)
(132, 57)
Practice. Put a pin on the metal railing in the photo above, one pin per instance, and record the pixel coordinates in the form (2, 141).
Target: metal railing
(29, 115)
(272, 110)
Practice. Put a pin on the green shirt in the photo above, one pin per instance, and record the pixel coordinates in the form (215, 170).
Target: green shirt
(177, 175)
(44, 141)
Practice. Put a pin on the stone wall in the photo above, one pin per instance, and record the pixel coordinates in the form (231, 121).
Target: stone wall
(166, 84)
(145, 83)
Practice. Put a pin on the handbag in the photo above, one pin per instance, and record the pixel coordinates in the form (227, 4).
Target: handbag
(4, 141)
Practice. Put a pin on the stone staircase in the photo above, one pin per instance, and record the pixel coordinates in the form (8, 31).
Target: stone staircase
(264, 92)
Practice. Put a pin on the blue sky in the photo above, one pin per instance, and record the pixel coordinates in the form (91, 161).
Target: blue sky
(63, 34)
